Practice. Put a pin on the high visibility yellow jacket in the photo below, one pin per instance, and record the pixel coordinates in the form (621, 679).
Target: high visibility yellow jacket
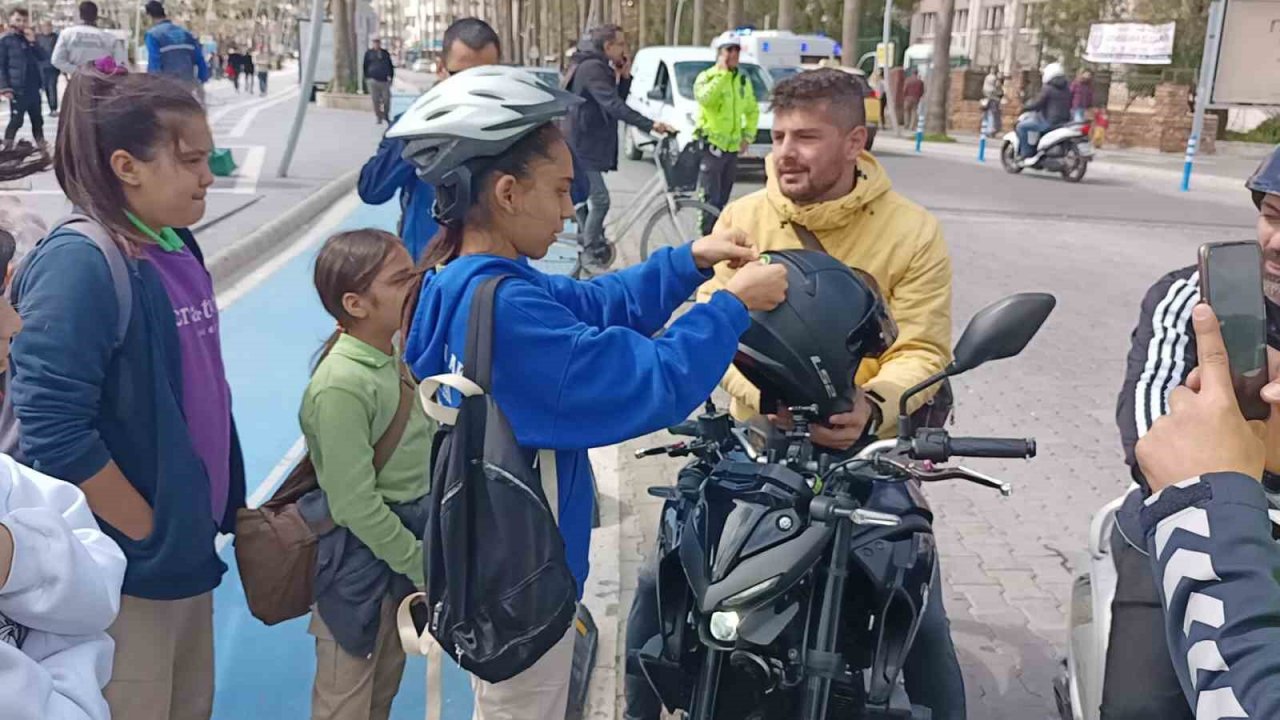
(876, 230)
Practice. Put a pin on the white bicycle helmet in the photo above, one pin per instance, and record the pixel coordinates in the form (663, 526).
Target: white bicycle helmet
(472, 117)
(1051, 71)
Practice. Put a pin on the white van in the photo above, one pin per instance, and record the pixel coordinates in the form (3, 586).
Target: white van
(662, 89)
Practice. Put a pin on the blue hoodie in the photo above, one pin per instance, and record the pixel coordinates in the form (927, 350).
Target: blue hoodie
(576, 364)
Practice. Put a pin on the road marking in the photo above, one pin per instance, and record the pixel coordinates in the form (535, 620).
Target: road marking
(247, 174)
(252, 113)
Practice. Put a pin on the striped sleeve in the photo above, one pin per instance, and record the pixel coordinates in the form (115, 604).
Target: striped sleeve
(1162, 353)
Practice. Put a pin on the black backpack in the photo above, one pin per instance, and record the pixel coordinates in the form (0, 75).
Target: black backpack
(499, 592)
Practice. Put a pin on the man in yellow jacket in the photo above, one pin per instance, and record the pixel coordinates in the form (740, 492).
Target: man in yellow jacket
(821, 179)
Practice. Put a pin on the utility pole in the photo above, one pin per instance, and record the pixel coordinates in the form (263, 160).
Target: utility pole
(733, 15)
(642, 32)
(885, 33)
(697, 22)
(1204, 88)
(308, 82)
(786, 14)
(668, 24)
(849, 33)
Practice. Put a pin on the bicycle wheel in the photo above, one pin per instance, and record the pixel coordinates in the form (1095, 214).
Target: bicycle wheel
(667, 229)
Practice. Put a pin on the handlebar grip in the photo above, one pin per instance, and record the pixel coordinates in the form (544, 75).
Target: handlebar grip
(992, 447)
(688, 428)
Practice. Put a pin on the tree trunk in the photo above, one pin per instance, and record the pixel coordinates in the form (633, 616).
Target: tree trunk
(642, 21)
(935, 94)
(593, 14)
(787, 13)
(733, 17)
(849, 33)
(697, 22)
(668, 23)
(344, 78)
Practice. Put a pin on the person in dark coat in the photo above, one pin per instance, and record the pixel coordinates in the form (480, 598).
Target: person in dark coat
(601, 75)
(247, 70)
(20, 79)
(1053, 106)
(47, 40)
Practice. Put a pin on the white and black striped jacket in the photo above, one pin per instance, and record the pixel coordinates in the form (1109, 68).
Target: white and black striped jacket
(1162, 353)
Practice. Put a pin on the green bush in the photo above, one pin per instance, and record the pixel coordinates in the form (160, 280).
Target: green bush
(1268, 132)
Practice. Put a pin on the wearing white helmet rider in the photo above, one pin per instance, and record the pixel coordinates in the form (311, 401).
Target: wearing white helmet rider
(1051, 71)
(471, 117)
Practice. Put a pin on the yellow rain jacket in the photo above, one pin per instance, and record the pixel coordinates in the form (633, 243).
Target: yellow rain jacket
(880, 232)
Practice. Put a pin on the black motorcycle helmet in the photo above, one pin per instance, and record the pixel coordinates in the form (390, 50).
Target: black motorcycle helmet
(806, 350)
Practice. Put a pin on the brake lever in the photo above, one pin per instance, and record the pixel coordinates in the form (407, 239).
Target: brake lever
(930, 473)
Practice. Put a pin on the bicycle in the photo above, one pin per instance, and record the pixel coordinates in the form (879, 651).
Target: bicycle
(667, 202)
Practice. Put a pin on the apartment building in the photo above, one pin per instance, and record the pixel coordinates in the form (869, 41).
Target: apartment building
(986, 33)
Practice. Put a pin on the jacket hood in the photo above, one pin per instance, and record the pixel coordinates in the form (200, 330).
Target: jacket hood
(873, 183)
(1060, 82)
(586, 51)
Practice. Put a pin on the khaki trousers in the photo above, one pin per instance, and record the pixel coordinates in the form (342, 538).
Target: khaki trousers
(163, 667)
(355, 688)
(380, 93)
(539, 693)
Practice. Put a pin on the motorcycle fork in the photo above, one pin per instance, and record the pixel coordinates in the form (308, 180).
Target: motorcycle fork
(822, 660)
(704, 697)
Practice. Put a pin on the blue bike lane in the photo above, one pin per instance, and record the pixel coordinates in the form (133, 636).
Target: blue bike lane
(270, 334)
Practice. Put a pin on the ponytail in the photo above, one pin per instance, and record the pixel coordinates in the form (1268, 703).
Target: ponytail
(348, 262)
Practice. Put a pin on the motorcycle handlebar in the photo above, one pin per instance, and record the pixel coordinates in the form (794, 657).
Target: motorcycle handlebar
(982, 448)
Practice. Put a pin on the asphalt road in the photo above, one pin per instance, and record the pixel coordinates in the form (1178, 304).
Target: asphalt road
(1008, 563)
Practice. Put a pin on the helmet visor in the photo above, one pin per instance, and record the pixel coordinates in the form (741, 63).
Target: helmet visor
(879, 331)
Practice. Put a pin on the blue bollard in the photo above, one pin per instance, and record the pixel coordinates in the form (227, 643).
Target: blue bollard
(920, 128)
(982, 137)
(1192, 141)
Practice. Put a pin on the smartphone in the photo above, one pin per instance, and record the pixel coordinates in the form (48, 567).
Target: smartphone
(1231, 282)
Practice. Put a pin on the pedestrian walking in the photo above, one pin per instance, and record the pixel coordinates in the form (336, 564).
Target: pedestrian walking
(263, 73)
(248, 71)
(172, 49)
(373, 465)
(468, 42)
(1081, 95)
(726, 125)
(992, 97)
(912, 91)
(601, 75)
(82, 44)
(47, 39)
(135, 408)
(20, 77)
(378, 74)
(235, 61)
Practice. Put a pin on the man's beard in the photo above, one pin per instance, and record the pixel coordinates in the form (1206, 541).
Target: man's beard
(811, 191)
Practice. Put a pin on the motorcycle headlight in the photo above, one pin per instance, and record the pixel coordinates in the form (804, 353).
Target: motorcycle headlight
(724, 625)
(751, 593)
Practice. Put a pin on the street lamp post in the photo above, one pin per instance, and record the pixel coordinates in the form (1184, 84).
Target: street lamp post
(308, 82)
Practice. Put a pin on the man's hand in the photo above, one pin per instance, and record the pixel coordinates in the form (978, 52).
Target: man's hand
(746, 145)
(1270, 395)
(1204, 431)
(840, 431)
(663, 129)
(730, 245)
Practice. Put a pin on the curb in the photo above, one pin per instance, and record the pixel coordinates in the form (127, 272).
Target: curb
(276, 233)
(604, 586)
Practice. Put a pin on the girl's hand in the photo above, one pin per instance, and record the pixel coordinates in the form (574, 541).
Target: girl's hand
(730, 245)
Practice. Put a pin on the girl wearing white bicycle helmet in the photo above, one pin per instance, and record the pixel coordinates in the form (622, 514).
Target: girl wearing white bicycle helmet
(576, 364)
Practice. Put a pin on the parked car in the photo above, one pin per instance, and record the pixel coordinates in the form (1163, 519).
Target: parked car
(548, 75)
(662, 88)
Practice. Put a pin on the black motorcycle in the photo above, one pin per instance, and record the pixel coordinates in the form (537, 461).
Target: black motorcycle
(791, 583)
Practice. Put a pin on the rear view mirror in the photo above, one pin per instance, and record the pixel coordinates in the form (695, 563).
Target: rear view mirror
(1001, 330)
(656, 94)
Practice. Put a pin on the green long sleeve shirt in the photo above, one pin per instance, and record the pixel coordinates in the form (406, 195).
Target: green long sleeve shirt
(727, 110)
(349, 404)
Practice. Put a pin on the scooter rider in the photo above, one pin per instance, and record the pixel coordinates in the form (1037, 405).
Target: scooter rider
(1053, 106)
(1140, 680)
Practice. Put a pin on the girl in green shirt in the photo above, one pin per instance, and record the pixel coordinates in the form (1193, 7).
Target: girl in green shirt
(362, 277)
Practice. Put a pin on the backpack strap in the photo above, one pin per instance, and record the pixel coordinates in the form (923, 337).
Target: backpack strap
(390, 440)
(807, 239)
(421, 643)
(117, 263)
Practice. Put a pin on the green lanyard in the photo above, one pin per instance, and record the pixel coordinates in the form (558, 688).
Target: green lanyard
(167, 239)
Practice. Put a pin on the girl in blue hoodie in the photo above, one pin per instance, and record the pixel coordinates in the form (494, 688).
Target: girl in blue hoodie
(575, 364)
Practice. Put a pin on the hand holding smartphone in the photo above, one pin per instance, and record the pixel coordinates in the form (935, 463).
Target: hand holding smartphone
(1231, 282)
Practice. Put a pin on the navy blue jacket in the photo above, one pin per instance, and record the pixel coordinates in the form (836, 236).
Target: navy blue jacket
(81, 405)
(1212, 552)
(384, 174)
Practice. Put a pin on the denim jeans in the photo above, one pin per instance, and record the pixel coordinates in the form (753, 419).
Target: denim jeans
(931, 671)
(1025, 128)
(597, 208)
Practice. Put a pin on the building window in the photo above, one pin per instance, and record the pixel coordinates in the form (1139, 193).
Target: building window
(927, 22)
(993, 17)
(1031, 15)
(961, 21)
